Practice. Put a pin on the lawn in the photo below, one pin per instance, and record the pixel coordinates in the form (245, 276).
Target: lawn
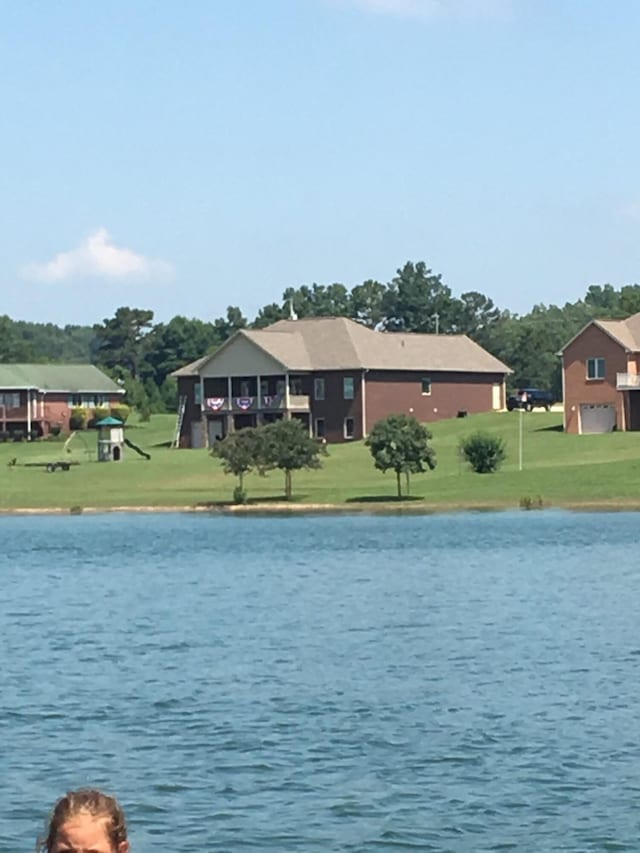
(563, 470)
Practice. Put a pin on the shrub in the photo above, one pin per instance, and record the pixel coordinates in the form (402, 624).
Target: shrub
(239, 495)
(5, 435)
(145, 413)
(18, 434)
(55, 430)
(78, 419)
(528, 502)
(121, 411)
(483, 451)
(101, 412)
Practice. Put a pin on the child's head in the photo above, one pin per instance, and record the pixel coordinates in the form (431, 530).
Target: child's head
(86, 821)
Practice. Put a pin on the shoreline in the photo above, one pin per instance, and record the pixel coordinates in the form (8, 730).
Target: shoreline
(365, 508)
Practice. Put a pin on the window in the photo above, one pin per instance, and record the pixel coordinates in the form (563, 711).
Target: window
(348, 388)
(426, 386)
(197, 394)
(318, 388)
(295, 385)
(75, 400)
(348, 427)
(319, 427)
(10, 401)
(264, 387)
(595, 368)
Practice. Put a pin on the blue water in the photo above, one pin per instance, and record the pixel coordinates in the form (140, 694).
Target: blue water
(443, 683)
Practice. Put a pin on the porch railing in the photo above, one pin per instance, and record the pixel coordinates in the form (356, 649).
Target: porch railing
(627, 381)
(257, 403)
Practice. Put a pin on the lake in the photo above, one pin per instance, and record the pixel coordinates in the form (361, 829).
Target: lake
(338, 683)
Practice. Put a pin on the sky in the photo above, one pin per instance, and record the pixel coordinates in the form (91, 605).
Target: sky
(183, 157)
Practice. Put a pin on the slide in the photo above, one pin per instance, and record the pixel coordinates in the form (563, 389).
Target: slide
(137, 449)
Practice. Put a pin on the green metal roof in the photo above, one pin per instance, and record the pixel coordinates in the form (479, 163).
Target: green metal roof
(74, 378)
(109, 422)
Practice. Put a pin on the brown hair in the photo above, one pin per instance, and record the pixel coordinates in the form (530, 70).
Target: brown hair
(86, 801)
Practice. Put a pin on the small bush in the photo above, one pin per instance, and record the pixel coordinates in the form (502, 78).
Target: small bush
(483, 451)
(5, 435)
(101, 412)
(145, 413)
(18, 434)
(121, 412)
(528, 502)
(78, 418)
(55, 430)
(239, 495)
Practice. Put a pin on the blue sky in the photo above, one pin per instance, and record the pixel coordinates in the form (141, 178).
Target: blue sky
(187, 156)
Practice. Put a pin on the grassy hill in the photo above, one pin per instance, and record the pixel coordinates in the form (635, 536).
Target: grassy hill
(563, 470)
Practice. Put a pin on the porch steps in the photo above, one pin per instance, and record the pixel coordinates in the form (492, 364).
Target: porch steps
(182, 405)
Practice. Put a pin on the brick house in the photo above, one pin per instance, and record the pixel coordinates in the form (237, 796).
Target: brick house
(335, 375)
(601, 377)
(33, 397)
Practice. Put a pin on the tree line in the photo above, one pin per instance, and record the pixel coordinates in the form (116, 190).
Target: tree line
(141, 354)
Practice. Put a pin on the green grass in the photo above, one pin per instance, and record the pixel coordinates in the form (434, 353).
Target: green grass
(564, 470)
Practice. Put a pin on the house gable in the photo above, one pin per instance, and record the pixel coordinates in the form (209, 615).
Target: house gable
(580, 390)
(240, 356)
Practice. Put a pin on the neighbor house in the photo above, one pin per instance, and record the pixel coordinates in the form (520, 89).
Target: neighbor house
(35, 397)
(335, 375)
(601, 377)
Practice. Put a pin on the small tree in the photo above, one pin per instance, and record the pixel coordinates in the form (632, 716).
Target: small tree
(483, 451)
(78, 418)
(241, 452)
(289, 447)
(400, 443)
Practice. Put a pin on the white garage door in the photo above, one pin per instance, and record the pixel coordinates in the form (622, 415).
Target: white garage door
(597, 417)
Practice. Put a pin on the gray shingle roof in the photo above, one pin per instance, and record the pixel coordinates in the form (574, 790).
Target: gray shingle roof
(192, 368)
(626, 332)
(337, 343)
(75, 378)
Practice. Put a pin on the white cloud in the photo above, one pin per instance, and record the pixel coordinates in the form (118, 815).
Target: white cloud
(436, 8)
(97, 257)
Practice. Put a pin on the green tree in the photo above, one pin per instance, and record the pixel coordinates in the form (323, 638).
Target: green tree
(269, 314)
(366, 303)
(473, 314)
(289, 447)
(318, 300)
(120, 340)
(226, 326)
(416, 300)
(603, 299)
(13, 347)
(400, 443)
(483, 451)
(176, 343)
(241, 452)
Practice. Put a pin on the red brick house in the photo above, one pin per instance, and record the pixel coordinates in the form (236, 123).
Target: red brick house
(33, 397)
(335, 375)
(601, 377)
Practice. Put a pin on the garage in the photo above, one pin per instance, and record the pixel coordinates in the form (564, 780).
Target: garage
(597, 417)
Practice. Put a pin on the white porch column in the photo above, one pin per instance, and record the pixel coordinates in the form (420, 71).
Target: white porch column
(28, 414)
(258, 393)
(287, 397)
(363, 398)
